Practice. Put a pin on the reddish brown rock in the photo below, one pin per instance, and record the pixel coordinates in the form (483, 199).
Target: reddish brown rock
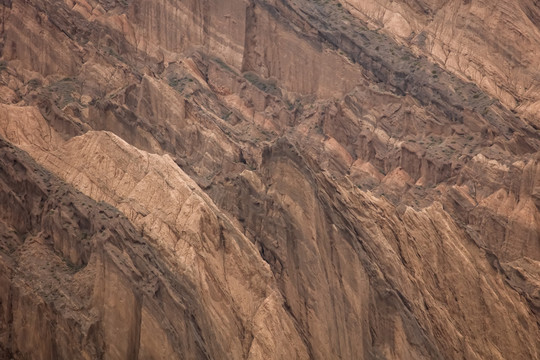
(267, 180)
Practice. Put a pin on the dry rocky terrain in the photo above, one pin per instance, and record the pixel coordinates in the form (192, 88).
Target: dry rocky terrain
(277, 179)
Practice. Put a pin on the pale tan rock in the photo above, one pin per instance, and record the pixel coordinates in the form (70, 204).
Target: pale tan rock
(166, 204)
(494, 46)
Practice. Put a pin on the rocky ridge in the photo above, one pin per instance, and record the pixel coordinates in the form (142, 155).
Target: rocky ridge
(303, 185)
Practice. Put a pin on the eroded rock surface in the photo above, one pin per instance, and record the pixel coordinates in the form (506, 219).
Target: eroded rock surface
(494, 45)
(269, 179)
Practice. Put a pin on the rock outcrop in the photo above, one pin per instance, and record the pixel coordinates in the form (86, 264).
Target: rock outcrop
(269, 179)
(493, 45)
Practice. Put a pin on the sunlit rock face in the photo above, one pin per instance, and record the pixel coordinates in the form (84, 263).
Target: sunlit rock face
(269, 179)
(492, 45)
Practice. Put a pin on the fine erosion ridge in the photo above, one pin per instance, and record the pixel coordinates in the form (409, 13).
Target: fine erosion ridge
(269, 179)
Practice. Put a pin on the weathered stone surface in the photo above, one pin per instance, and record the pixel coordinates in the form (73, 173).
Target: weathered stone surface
(268, 179)
(494, 46)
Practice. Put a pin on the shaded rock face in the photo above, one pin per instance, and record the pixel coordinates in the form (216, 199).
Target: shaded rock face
(269, 179)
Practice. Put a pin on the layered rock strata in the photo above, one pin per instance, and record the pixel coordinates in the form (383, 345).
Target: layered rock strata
(266, 179)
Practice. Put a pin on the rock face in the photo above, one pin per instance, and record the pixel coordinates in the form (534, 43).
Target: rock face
(496, 46)
(269, 179)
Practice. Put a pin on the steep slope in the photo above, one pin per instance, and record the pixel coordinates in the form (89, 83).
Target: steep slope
(308, 187)
(235, 306)
(494, 44)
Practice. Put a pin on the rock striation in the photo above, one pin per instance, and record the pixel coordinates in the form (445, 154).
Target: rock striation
(269, 179)
(495, 46)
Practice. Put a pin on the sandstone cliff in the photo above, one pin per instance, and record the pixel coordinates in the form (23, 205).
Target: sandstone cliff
(269, 179)
(494, 45)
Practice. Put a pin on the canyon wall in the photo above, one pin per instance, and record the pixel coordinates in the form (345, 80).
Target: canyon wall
(269, 179)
